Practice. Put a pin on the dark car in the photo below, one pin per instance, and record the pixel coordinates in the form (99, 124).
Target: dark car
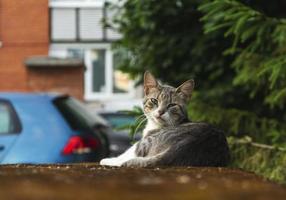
(120, 139)
(49, 128)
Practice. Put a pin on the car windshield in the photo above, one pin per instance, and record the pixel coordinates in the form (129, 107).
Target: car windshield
(76, 114)
(118, 120)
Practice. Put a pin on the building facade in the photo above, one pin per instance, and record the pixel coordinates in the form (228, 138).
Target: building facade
(22, 34)
(67, 31)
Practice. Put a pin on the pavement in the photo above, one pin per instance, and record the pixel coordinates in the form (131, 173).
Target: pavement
(91, 181)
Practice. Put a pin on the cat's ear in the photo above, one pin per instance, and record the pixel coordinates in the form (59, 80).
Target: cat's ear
(150, 83)
(186, 89)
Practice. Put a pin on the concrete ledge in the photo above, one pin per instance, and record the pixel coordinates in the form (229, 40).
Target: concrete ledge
(45, 61)
(91, 181)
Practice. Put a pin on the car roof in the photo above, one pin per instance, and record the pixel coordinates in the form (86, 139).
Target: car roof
(29, 95)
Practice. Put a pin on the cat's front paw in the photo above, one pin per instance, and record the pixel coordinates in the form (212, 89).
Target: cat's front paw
(135, 162)
(110, 162)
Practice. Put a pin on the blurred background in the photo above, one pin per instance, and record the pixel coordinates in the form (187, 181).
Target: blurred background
(97, 52)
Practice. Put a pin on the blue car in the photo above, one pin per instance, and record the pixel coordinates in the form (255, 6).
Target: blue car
(49, 128)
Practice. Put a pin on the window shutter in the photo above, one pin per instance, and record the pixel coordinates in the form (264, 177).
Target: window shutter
(63, 24)
(91, 27)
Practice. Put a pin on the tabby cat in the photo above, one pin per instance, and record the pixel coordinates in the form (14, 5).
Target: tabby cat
(169, 138)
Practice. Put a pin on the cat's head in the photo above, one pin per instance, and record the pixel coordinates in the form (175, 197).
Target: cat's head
(166, 105)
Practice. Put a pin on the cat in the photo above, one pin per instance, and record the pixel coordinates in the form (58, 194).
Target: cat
(170, 138)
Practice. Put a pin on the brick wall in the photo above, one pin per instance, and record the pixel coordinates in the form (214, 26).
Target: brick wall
(24, 31)
(64, 80)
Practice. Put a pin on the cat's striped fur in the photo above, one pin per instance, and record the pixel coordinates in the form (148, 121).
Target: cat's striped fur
(169, 138)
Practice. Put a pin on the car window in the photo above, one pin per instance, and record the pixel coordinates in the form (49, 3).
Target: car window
(119, 120)
(76, 114)
(9, 122)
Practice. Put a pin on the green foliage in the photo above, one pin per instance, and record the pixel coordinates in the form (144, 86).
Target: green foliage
(264, 160)
(166, 38)
(258, 43)
(239, 122)
(139, 123)
(234, 49)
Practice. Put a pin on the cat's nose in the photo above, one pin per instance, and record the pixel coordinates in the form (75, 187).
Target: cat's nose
(159, 113)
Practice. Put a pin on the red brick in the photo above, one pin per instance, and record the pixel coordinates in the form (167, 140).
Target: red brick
(63, 80)
(24, 32)
(25, 22)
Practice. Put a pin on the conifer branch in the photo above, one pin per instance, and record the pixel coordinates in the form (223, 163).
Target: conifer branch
(258, 43)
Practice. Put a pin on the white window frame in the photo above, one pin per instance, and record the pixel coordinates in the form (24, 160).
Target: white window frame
(108, 94)
(107, 33)
(89, 95)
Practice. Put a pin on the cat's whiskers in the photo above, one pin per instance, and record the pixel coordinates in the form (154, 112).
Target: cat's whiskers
(136, 120)
(138, 126)
(139, 118)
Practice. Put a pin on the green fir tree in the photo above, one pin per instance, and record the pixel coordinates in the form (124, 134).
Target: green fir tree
(235, 51)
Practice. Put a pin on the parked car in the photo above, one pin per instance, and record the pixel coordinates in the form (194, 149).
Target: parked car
(120, 140)
(49, 128)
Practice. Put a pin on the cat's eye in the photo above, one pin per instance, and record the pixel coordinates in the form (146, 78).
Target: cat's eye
(154, 101)
(171, 105)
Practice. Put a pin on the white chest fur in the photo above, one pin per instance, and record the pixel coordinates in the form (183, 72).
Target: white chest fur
(130, 153)
(149, 126)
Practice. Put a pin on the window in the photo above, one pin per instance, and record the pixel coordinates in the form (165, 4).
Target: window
(98, 70)
(77, 31)
(121, 81)
(9, 122)
(76, 114)
(80, 24)
(119, 120)
(63, 24)
(90, 26)
(103, 79)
